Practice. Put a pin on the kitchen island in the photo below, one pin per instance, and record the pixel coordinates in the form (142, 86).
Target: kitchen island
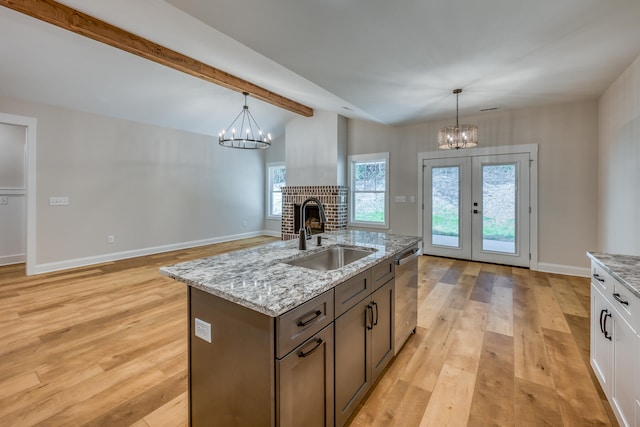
(271, 343)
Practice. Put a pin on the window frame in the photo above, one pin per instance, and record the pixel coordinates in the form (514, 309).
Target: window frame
(366, 158)
(269, 186)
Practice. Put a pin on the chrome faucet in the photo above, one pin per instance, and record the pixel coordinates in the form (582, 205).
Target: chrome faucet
(305, 232)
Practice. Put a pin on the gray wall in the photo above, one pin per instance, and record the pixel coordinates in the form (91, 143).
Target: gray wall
(152, 188)
(567, 135)
(314, 151)
(619, 167)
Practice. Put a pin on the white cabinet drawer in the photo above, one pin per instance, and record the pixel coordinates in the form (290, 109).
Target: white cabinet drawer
(619, 295)
(601, 279)
(625, 303)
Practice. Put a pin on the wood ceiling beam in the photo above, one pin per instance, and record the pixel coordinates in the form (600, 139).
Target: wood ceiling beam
(80, 23)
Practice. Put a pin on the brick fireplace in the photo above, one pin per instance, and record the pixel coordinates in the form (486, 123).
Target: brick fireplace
(333, 198)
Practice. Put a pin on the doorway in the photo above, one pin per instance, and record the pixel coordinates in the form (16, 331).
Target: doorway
(477, 206)
(17, 191)
(13, 206)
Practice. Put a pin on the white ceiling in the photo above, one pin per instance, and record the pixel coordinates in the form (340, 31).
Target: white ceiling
(393, 62)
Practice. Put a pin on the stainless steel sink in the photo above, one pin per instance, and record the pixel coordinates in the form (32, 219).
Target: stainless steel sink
(330, 258)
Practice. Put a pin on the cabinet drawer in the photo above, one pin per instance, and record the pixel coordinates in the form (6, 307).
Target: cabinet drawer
(601, 279)
(299, 324)
(352, 292)
(383, 272)
(624, 302)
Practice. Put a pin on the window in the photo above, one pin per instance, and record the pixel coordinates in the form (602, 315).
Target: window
(275, 181)
(369, 182)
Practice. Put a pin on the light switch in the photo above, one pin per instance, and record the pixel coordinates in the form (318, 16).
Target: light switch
(58, 201)
(401, 199)
(412, 199)
(203, 330)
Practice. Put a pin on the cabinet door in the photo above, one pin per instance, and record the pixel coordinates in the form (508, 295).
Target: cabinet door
(382, 332)
(305, 383)
(353, 359)
(623, 393)
(637, 383)
(601, 339)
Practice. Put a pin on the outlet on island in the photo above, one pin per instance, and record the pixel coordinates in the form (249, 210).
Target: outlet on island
(203, 330)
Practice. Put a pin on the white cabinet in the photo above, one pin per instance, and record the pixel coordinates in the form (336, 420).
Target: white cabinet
(623, 393)
(613, 344)
(601, 339)
(637, 384)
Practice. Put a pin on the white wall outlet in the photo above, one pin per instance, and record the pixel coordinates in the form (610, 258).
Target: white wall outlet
(244, 223)
(203, 330)
(4, 200)
(58, 201)
(111, 239)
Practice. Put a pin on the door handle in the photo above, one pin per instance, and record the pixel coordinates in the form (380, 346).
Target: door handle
(301, 353)
(604, 325)
(476, 211)
(375, 322)
(306, 322)
(369, 311)
(618, 298)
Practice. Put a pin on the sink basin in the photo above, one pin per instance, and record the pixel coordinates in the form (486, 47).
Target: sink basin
(330, 258)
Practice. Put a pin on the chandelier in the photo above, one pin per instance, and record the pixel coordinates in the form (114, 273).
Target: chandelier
(244, 132)
(458, 136)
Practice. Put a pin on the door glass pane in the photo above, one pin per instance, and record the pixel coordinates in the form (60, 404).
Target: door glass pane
(499, 208)
(445, 202)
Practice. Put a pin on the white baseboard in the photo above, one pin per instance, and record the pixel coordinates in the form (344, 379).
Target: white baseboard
(569, 270)
(271, 233)
(12, 259)
(99, 259)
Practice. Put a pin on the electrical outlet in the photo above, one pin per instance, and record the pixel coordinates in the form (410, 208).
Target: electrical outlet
(111, 239)
(244, 223)
(4, 200)
(203, 330)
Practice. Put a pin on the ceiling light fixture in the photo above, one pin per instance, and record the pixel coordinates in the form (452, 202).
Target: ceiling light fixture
(244, 133)
(458, 136)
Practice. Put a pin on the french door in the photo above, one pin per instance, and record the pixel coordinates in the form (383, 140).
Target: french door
(478, 208)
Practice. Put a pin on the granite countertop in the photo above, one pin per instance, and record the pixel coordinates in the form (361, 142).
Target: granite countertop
(258, 279)
(624, 268)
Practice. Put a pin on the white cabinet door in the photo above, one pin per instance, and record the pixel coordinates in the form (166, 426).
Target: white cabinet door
(601, 339)
(637, 384)
(623, 393)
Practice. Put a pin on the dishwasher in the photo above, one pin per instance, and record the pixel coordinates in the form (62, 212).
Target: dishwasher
(406, 296)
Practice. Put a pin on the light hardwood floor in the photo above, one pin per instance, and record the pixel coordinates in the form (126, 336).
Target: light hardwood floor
(106, 345)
